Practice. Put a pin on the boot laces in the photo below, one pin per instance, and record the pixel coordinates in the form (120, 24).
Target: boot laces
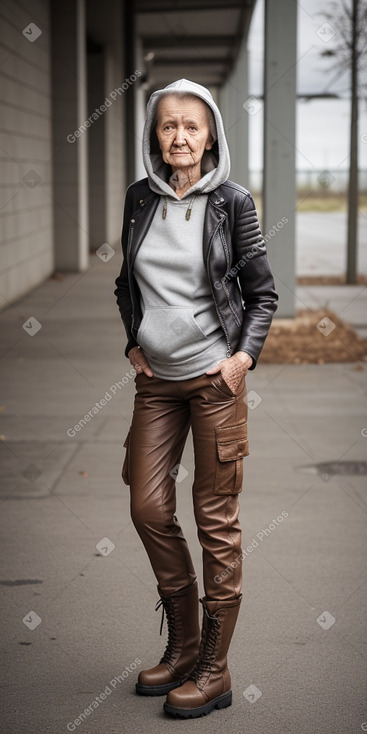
(168, 608)
(208, 642)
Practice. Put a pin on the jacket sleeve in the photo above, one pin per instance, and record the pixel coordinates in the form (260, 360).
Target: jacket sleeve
(255, 279)
(122, 291)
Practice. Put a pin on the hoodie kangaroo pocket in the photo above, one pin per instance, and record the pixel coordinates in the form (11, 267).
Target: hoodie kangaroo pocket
(171, 334)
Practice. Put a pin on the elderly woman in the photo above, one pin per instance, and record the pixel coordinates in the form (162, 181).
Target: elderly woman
(196, 296)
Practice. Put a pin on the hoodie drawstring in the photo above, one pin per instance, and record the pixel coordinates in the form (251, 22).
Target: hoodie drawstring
(188, 211)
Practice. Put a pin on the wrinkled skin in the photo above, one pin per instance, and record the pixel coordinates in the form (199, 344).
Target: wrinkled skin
(183, 135)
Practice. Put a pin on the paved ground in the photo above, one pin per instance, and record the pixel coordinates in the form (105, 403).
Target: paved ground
(301, 636)
(321, 238)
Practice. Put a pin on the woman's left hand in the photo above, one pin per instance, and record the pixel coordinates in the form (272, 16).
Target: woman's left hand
(233, 369)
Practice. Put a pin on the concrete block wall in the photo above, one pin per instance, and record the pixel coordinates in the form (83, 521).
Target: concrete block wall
(26, 219)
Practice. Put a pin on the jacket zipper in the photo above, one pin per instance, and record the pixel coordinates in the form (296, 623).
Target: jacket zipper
(220, 317)
(129, 242)
(225, 248)
(142, 203)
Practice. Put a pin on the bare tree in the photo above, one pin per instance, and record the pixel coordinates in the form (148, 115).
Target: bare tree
(349, 20)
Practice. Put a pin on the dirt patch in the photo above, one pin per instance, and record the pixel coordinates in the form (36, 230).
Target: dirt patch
(313, 337)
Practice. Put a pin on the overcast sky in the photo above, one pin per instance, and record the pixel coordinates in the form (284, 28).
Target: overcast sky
(322, 126)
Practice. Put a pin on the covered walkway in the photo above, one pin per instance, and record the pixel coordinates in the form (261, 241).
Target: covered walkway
(78, 594)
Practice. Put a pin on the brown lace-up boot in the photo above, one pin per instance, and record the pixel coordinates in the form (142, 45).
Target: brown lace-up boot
(209, 686)
(181, 653)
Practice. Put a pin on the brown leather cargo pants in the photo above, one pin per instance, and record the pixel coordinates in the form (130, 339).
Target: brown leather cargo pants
(164, 410)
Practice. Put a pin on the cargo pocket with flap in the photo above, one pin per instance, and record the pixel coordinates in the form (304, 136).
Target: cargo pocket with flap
(125, 473)
(231, 446)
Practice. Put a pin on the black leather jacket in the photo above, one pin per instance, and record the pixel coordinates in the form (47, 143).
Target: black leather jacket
(234, 252)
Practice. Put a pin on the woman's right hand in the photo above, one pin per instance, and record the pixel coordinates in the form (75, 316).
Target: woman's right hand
(139, 362)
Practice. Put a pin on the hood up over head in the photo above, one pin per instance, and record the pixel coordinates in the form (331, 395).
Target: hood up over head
(215, 164)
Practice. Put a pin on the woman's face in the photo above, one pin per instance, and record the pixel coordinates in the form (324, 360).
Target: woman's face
(182, 130)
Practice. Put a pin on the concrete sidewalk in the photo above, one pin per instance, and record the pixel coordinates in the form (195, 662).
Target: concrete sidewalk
(78, 623)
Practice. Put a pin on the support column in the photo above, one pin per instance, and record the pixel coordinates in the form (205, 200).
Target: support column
(97, 139)
(70, 163)
(232, 97)
(279, 183)
(240, 164)
(140, 106)
(115, 78)
(129, 60)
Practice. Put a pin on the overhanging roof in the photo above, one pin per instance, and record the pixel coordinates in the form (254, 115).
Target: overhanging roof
(199, 40)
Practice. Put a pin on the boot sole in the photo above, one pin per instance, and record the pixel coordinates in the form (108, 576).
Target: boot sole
(221, 702)
(157, 690)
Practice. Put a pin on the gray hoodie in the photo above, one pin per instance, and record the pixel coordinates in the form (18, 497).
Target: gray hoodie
(180, 331)
(215, 161)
